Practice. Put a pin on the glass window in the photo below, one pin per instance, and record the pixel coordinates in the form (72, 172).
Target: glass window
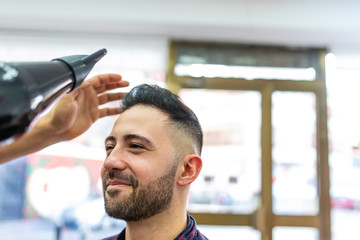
(294, 153)
(344, 144)
(295, 233)
(230, 178)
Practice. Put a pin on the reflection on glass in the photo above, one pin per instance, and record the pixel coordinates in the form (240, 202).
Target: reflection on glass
(295, 233)
(294, 153)
(230, 178)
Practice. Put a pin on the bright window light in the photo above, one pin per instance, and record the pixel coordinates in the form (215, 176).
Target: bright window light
(249, 73)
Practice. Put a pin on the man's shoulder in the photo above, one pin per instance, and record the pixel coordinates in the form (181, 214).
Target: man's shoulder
(120, 236)
(198, 236)
(111, 238)
(201, 237)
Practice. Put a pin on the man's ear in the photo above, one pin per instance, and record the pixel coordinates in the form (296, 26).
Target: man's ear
(190, 169)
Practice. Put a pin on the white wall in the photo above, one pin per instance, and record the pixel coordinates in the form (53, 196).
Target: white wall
(333, 24)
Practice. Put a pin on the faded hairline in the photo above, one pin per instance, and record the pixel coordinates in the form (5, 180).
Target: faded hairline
(184, 143)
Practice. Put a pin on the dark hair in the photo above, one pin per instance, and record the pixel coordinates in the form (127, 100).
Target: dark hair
(169, 103)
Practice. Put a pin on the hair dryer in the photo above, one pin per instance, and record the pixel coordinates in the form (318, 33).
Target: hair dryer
(27, 88)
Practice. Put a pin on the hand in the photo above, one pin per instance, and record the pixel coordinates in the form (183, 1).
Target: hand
(72, 115)
(75, 112)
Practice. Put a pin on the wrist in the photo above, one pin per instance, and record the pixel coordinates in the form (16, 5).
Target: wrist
(44, 133)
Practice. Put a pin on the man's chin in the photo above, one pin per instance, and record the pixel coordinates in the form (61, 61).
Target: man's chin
(112, 193)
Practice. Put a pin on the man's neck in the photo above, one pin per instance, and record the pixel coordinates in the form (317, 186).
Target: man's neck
(165, 225)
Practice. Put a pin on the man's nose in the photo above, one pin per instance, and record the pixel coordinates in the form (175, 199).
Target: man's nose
(115, 160)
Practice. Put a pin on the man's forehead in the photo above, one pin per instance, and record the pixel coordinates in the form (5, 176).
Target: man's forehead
(140, 119)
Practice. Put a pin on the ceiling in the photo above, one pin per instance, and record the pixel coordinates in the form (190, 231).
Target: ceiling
(321, 23)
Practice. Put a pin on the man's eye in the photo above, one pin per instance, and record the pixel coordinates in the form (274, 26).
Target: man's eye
(136, 146)
(109, 147)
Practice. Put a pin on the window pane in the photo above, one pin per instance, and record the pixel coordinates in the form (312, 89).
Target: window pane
(344, 158)
(295, 233)
(230, 178)
(249, 73)
(294, 153)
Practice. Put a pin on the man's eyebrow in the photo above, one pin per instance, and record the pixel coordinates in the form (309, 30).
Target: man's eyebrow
(110, 138)
(136, 136)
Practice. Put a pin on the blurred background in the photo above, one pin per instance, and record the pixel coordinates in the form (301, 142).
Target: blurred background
(275, 85)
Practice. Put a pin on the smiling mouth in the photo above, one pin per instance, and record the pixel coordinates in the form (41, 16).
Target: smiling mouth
(116, 184)
(117, 181)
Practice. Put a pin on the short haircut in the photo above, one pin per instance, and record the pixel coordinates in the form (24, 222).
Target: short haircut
(169, 103)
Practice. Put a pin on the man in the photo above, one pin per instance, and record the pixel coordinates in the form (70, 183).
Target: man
(72, 115)
(153, 155)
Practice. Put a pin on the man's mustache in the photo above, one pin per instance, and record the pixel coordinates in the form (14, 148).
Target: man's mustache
(118, 175)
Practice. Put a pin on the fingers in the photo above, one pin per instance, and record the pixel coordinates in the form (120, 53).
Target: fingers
(102, 83)
(108, 97)
(109, 111)
(109, 86)
(107, 78)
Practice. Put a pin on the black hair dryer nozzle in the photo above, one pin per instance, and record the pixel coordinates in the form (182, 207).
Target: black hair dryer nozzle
(27, 88)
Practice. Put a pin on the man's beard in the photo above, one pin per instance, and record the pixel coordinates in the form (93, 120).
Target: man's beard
(144, 202)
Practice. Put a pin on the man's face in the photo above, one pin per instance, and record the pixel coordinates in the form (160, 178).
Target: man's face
(139, 171)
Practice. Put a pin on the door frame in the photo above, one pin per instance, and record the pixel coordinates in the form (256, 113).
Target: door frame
(263, 219)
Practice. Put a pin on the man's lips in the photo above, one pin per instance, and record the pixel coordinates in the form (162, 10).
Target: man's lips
(114, 184)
